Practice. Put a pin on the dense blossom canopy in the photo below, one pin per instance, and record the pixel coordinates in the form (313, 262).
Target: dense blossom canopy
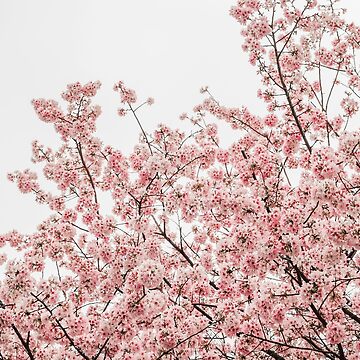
(210, 252)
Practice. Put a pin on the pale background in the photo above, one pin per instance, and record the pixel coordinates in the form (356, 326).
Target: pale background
(162, 48)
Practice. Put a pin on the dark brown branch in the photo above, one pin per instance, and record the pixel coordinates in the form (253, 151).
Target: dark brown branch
(288, 98)
(274, 355)
(318, 315)
(71, 341)
(101, 349)
(182, 341)
(341, 352)
(311, 212)
(351, 314)
(24, 343)
(78, 146)
(253, 129)
(141, 128)
(206, 305)
(328, 354)
(176, 247)
(198, 308)
(324, 352)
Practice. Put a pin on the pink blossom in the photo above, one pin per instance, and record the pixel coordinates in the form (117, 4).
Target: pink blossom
(188, 248)
(150, 101)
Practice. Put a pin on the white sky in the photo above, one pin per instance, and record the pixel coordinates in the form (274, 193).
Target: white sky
(162, 48)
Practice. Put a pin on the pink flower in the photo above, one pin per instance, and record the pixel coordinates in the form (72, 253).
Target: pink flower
(335, 333)
(122, 112)
(150, 101)
(150, 273)
(187, 247)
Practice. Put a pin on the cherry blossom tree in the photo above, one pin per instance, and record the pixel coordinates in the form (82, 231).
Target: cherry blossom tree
(210, 252)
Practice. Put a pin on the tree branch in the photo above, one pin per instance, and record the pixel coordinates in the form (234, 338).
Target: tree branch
(24, 343)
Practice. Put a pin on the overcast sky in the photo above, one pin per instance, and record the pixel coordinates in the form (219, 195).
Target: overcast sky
(162, 48)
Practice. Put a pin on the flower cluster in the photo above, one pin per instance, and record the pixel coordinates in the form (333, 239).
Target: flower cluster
(189, 249)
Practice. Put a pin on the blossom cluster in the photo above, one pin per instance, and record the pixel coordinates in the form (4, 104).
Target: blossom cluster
(209, 251)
